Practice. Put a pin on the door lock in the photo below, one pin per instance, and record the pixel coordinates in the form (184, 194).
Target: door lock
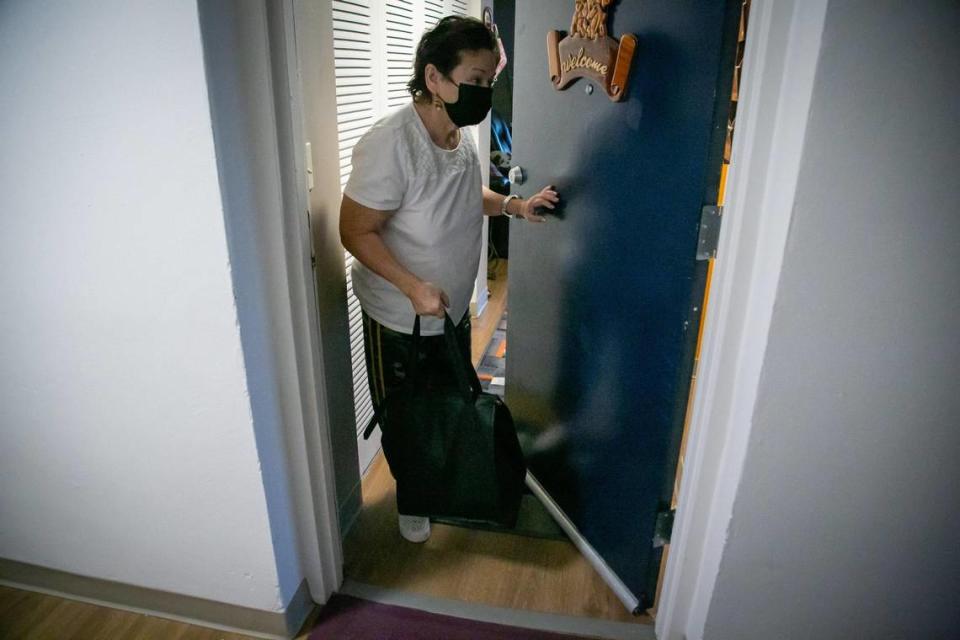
(517, 175)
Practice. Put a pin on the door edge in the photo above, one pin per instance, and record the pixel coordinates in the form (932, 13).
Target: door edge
(782, 51)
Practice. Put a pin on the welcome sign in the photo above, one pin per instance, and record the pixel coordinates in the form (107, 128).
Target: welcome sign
(588, 51)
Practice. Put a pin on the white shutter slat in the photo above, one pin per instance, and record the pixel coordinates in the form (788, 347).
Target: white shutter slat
(433, 10)
(458, 7)
(355, 109)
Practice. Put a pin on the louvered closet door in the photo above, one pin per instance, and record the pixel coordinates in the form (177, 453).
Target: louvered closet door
(354, 55)
(399, 44)
(374, 46)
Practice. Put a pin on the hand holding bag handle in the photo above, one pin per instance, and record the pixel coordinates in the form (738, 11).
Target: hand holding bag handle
(467, 383)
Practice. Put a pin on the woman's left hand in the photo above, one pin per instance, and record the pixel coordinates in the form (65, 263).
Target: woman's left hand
(546, 198)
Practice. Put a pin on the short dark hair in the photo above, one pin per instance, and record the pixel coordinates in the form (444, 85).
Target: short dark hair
(442, 46)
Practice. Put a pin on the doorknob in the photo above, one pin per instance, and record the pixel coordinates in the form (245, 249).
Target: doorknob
(517, 175)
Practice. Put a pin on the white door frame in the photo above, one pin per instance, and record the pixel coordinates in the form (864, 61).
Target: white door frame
(251, 72)
(783, 47)
(311, 462)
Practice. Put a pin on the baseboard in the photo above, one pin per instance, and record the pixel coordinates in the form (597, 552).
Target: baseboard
(277, 625)
(350, 509)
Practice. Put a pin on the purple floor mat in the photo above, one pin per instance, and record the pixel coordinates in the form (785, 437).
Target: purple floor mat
(349, 618)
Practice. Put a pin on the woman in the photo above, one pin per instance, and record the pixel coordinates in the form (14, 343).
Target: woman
(411, 210)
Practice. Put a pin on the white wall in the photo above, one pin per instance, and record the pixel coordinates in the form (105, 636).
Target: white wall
(846, 522)
(127, 447)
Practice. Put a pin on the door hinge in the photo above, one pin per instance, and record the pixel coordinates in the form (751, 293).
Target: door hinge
(663, 528)
(710, 218)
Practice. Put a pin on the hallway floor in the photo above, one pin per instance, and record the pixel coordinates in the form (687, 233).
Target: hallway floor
(482, 567)
(27, 615)
(485, 325)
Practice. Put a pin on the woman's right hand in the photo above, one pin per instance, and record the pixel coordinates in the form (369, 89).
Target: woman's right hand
(429, 300)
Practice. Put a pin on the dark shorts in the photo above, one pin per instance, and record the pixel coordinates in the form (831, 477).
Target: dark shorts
(388, 356)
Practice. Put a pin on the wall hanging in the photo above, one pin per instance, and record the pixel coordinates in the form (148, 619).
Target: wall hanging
(588, 51)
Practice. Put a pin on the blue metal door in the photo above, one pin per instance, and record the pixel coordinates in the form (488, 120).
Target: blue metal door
(605, 297)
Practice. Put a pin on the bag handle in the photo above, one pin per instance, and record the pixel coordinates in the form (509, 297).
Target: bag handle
(466, 376)
(413, 365)
(463, 371)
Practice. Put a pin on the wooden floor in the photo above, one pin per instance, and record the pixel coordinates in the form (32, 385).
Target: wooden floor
(486, 324)
(482, 567)
(25, 615)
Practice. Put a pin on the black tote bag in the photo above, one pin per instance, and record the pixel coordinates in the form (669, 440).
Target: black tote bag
(453, 449)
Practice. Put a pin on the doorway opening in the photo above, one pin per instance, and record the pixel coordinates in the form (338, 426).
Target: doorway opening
(490, 568)
(490, 329)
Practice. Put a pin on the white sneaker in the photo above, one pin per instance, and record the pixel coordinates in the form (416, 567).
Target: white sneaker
(414, 528)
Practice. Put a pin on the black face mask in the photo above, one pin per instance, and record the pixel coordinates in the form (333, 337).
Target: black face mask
(471, 106)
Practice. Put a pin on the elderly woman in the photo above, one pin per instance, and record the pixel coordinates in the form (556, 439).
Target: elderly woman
(411, 211)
